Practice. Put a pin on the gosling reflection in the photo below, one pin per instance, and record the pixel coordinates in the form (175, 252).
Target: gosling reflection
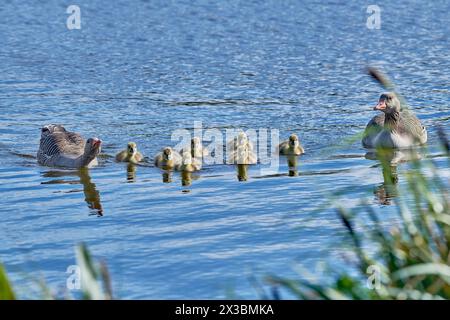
(131, 172)
(242, 172)
(389, 160)
(167, 176)
(243, 156)
(186, 178)
(292, 162)
(91, 194)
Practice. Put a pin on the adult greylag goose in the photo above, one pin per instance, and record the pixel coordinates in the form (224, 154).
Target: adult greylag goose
(61, 148)
(131, 154)
(395, 128)
(168, 159)
(291, 147)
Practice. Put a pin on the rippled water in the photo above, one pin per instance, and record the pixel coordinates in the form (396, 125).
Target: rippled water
(138, 70)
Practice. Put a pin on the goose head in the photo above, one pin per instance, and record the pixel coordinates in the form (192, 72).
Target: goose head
(92, 147)
(388, 103)
(131, 149)
(167, 154)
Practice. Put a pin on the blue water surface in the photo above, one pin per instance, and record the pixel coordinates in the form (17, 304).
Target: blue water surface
(138, 70)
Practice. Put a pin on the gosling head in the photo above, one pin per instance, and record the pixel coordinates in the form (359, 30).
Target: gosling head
(131, 149)
(167, 154)
(388, 103)
(293, 141)
(242, 138)
(92, 147)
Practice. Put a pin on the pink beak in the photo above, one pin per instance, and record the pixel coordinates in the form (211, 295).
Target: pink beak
(380, 106)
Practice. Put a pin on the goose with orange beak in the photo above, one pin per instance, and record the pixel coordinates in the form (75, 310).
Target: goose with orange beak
(395, 127)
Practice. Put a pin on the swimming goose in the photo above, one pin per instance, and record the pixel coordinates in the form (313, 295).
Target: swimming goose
(61, 148)
(396, 127)
(168, 159)
(291, 147)
(131, 154)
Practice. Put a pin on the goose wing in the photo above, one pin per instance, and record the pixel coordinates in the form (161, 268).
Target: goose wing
(410, 125)
(374, 127)
(62, 142)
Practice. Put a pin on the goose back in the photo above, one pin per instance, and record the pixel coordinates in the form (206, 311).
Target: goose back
(57, 142)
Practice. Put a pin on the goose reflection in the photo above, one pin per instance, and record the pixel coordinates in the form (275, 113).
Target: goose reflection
(91, 194)
(389, 160)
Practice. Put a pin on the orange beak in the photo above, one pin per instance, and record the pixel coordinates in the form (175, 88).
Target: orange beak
(97, 142)
(380, 106)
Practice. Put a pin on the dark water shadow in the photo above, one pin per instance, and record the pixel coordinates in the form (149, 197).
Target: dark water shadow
(91, 194)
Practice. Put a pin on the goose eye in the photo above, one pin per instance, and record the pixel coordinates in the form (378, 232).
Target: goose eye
(45, 130)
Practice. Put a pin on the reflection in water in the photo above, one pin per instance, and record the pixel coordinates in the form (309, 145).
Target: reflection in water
(186, 178)
(389, 160)
(388, 189)
(91, 194)
(167, 176)
(242, 172)
(292, 162)
(131, 172)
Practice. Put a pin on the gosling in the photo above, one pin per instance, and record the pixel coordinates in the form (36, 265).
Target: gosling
(291, 147)
(187, 163)
(197, 152)
(168, 159)
(243, 156)
(131, 154)
(240, 140)
(196, 149)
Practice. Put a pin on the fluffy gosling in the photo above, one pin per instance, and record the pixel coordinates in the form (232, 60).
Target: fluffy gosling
(291, 147)
(131, 154)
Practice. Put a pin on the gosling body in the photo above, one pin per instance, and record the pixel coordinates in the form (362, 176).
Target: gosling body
(168, 159)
